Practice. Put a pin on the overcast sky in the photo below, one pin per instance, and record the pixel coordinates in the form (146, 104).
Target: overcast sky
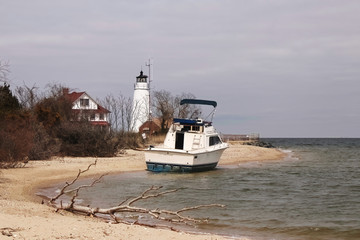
(281, 68)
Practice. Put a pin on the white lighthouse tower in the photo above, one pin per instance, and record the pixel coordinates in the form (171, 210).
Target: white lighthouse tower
(141, 102)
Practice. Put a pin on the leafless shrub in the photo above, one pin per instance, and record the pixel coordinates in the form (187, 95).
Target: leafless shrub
(129, 140)
(83, 139)
(44, 146)
(15, 140)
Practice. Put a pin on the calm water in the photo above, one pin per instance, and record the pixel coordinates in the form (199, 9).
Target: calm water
(312, 194)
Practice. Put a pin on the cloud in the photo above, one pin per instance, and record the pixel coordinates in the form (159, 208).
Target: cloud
(268, 63)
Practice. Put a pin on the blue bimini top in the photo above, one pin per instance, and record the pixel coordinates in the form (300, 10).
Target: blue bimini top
(186, 121)
(198, 101)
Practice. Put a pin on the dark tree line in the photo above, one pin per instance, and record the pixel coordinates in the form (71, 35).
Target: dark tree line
(45, 128)
(15, 130)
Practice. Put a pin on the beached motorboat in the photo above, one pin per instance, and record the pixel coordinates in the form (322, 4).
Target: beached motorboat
(190, 145)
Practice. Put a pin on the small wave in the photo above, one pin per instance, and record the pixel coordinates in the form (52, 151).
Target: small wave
(318, 232)
(285, 150)
(290, 154)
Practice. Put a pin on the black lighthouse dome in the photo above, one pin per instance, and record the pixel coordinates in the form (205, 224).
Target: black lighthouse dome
(141, 77)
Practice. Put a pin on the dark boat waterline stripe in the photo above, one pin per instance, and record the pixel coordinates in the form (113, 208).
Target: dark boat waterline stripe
(161, 167)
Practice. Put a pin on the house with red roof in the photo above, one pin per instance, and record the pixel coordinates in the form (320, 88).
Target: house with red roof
(86, 108)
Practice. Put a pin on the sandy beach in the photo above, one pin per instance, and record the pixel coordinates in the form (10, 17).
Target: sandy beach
(22, 216)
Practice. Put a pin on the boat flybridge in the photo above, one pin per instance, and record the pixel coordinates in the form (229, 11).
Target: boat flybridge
(190, 145)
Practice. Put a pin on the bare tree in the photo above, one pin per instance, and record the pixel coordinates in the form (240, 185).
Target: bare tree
(127, 205)
(55, 90)
(110, 103)
(4, 71)
(163, 104)
(186, 110)
(167, 107)
(126, 113)
(27, 96)
(120, 108)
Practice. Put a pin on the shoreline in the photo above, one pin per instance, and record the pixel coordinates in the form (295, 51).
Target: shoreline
(23, 212)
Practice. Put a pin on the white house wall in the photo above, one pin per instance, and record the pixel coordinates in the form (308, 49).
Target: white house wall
(92, 104)
(97, 117)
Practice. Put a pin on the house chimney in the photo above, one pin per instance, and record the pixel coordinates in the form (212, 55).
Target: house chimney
(66, 91)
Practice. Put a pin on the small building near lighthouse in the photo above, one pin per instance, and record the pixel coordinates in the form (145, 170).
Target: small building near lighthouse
(141, 102)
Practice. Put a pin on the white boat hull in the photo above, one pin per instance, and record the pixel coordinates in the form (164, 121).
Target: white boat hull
(168, 160)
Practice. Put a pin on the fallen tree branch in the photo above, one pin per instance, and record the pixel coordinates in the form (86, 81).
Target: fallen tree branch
(126, 206)
(64, 191)
(9, 232)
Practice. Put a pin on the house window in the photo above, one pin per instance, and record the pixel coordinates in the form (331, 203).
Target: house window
(92, 117)
(101, 116)
(84, 102)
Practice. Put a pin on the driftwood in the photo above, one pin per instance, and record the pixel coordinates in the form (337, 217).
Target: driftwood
(76, 190)
(9, 232)
(126, 206)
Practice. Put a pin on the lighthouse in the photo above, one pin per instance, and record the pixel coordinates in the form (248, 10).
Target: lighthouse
(141, 102)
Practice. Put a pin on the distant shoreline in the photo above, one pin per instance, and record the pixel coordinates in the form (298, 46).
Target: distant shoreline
(21, 208)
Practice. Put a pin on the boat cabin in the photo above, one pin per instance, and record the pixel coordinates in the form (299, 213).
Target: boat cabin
(191, 134)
